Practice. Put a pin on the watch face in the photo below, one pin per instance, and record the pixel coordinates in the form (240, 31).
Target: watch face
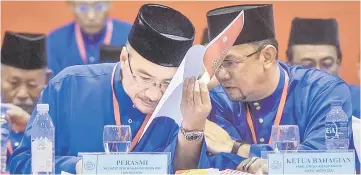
(193, 136)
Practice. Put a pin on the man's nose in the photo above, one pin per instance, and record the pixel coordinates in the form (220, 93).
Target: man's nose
(223, 74)
(91, 14)
(23, 93)
(154, 93)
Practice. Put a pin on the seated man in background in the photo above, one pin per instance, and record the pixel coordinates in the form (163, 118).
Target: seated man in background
(258, 91)
(79, 42)
(83, 99)
(315, 43)
(24, 74)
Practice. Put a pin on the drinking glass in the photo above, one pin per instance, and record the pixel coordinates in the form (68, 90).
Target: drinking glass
(285, 137)
(117, 138)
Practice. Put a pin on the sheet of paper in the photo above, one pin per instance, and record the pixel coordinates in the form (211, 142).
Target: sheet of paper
(169, 104)
(217, 49)
(196, 58)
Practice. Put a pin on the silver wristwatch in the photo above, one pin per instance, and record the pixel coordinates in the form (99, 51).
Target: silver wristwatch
(192, 135)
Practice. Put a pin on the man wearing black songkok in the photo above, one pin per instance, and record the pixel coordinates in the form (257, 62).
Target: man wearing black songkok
(315, 43)
(82, 99)
(24, 74)
(257, 91)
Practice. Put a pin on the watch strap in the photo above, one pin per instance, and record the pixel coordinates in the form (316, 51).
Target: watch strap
(236, 146)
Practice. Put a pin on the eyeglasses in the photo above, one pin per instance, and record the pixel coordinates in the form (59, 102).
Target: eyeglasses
(85, 8)
(326, 64)
(146, 82)
(231, 64)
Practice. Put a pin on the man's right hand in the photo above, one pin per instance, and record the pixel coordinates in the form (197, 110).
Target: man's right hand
(195, 105)
(17, 117)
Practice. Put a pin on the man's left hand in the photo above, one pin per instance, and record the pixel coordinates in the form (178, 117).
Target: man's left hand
(217, 139)
(254, 166)
(17, 117)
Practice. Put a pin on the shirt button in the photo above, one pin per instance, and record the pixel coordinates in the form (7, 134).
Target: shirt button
(130, 120)
(256, 104)
(260, 120)
(16, 144)
(261, 140)
(91, 59)
(258, 108)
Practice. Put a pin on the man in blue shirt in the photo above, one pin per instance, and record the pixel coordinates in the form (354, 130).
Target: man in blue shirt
(315, 43)
(79, 42)
(24, 74)
(258, 91)
(83, 99)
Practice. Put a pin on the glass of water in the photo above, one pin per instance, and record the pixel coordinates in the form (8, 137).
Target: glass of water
(117, 138)
(285, 137)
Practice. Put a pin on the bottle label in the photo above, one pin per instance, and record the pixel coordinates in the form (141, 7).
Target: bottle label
(42, 155)
(336, 130)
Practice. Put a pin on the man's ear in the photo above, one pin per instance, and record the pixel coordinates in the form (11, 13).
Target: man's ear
(268, 56)
(124, 57)
(123, 54)
(49, 74)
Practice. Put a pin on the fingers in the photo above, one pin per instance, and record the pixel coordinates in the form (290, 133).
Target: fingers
(190, 91)
(197, 94)
(242, 165)
(256, 165)
(205, 94)
(185, 91)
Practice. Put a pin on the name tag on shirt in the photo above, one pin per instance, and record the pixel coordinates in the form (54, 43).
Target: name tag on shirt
(125, 163)
(312, 162)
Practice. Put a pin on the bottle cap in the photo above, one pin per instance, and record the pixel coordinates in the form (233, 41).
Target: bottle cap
(42, 107)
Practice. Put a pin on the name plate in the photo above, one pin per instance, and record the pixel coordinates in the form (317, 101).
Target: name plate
(312, 162)
(125, 163)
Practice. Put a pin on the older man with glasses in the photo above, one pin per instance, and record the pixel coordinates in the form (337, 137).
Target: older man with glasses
(79, 42)
(315, 43)
(258, 91)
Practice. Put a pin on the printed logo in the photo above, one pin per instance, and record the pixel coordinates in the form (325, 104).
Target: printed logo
(276, 164)
(331, 130)
(89, 165)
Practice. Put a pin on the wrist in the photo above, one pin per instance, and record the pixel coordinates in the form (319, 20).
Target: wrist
(244, 150)
(193, 127)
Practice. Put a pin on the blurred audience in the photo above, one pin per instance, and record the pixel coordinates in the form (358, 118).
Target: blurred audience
(79, 42)
(315, 43)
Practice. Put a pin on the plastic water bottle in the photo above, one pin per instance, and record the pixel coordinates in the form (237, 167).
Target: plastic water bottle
(5, 131)
(336, 134)
(42, 142)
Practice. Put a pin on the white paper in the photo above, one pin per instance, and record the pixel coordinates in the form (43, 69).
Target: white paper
(169, 104)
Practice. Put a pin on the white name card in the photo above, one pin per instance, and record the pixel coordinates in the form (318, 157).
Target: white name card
(125, 163)
(312, 162)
